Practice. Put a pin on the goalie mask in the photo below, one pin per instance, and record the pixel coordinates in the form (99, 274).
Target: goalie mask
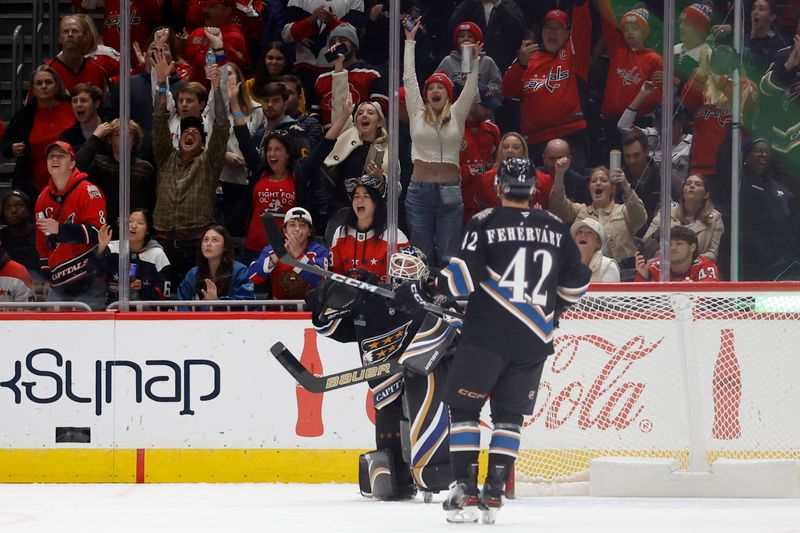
(515, 178)
(408, 264)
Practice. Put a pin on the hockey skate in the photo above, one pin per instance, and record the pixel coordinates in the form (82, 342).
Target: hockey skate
(461, 503)
(491, 498)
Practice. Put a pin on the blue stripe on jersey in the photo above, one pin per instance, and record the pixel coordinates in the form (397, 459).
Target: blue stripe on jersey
(328, 329)
(458, 277)
(528, 313)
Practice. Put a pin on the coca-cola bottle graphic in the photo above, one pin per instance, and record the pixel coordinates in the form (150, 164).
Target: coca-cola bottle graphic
(726, 389)
(370, 406)
(309, 404)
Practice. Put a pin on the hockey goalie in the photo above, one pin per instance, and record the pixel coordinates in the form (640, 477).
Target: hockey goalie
(411, 423)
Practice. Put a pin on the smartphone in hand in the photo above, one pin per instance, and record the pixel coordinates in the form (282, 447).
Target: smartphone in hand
(411, 20)
(332, 55)
(375, 155)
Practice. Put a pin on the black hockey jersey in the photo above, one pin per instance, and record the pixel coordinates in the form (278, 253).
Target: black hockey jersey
(381, 333)
(518, 267)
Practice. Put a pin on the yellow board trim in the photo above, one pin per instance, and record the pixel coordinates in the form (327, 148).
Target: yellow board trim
(68, 465)
(84, 465)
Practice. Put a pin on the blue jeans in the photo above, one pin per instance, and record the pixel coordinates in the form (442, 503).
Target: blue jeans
(434, 212)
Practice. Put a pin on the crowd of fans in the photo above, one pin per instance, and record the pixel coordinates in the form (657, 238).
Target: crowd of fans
(243, 107)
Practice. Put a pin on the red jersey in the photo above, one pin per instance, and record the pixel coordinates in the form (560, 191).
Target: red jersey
(484, 194)
(365, 84)
(478, 154)
(48, 125)
(197, 47)
(90, 71)
(627, 71)
(143, 13)
(269, 196)
(702, 269)
(16, 284)
(80, 211)
(357, 249)
(547, 88)
(711, 123)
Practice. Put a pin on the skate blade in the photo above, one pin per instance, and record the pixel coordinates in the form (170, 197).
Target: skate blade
(488, 516)
(463, 516)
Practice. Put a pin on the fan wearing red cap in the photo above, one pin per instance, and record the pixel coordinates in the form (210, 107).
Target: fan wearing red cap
(545, 80)
(468, 33)
(434, 207)
(631, 65)
(69, 213)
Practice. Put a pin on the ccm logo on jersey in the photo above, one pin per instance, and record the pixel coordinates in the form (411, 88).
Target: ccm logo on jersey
(472, 395)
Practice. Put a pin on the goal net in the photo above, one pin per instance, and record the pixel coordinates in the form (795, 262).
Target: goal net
(677, 374)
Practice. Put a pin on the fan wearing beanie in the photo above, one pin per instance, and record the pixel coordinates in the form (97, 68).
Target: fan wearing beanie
(631, 65)
(693, 29)
(488, 74)
(434, 207)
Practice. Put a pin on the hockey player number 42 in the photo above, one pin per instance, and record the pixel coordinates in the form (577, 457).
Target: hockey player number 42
(516, 276)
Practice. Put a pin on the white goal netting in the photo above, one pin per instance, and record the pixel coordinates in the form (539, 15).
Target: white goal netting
(667, 375)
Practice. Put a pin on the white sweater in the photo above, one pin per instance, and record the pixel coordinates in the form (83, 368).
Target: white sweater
(429, 143)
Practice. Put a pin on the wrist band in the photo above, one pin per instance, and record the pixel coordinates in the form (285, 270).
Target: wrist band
(629, 108)
(218, 49)
(238, 115)
(162, 89)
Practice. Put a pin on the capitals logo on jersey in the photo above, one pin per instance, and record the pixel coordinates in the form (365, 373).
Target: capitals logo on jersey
(722, 116)
(113, 20)
(631, 77)
(384, 345)
(551, 82)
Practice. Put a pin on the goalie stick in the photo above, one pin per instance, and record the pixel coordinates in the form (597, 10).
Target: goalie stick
(313, 383)
(276, 240)
(421, 356)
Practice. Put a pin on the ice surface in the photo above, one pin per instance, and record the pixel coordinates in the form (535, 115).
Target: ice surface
(223, 508)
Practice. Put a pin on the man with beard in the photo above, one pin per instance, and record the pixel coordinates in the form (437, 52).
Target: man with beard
(70, 62)
(187, 177)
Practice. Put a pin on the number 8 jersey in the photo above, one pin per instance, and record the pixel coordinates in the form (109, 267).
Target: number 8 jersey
(80, 210)
(518, 267)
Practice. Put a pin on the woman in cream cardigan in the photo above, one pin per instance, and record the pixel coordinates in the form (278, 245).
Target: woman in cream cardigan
(342, 153)
(696, 212)
(620, 221)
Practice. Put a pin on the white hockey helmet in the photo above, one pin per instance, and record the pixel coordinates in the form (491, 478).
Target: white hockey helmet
(408, 264)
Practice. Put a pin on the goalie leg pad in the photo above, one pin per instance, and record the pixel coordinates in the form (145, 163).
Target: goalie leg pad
(376, 476)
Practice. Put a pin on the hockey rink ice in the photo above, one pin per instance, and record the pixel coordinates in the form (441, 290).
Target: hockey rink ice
(295, 508)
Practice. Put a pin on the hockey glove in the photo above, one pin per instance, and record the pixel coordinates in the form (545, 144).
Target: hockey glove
(330, 300)
(411, 297)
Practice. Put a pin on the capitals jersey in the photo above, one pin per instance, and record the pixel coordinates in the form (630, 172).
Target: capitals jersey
(80, 210)
(547, 87)
(519, 267)
(627, 71)
(478, 155)
(702, 269)
(712, 122)
(351, 248)
(365, 84)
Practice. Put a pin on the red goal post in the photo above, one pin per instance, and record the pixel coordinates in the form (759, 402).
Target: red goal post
(689, 376)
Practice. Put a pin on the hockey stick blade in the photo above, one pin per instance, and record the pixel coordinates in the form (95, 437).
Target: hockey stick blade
(339, 380)
(276, 239)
